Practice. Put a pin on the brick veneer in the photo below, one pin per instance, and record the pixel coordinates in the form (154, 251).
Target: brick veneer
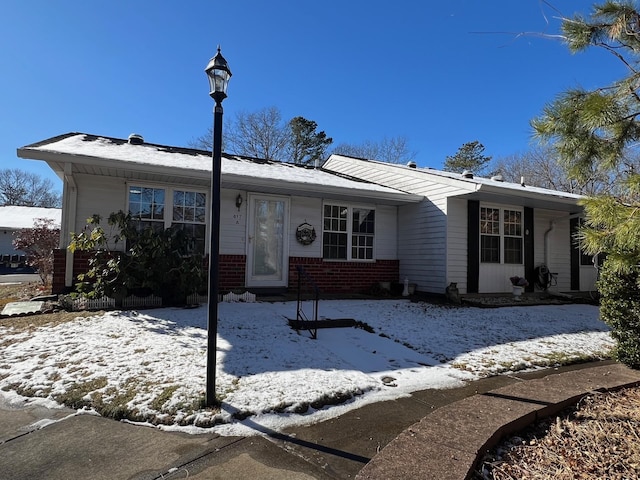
(330, 277)
(80, 265)
(344, 277)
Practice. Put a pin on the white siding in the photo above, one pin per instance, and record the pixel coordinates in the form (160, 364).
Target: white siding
(457, 243)
(386, 239)
(233, 223)
(305, 210)
(422, 248)
(558, 257)
(424, 235)
(99, 195)
(432, 242)
(494, 277)
(422, 244)
(588, 277)
(104, 195)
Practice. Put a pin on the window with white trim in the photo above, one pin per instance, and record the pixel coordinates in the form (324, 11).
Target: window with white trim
(149, 207)
(348, 233)
(501, 239)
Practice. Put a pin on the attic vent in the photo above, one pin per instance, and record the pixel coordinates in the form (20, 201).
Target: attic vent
(497, 178)
(136, 139)
(467, 174)
(411, 164)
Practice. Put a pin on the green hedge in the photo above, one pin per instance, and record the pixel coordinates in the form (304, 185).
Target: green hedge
(620, 309)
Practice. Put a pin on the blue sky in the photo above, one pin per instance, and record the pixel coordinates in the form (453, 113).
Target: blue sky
(438, 73)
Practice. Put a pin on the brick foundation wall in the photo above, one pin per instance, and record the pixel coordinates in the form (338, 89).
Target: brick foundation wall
(330, 277)
(344, 277)
(232, 270)
(80, 265)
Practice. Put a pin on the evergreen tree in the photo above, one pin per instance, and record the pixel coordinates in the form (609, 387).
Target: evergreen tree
(469, 156)
(596, 130)
(307, 146)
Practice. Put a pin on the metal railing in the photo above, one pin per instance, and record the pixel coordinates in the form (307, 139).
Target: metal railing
(305, 280)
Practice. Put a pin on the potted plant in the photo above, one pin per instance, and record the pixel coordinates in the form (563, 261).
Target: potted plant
(518, 284)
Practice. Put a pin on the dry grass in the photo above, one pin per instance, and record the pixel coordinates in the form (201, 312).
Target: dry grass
(19, 292)
(23, 292)
(597, 439)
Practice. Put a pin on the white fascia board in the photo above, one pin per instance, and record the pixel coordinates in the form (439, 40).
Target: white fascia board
(319, 189)
(52, 158)
(549, 196)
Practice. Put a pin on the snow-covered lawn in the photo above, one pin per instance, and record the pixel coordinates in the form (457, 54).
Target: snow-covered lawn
(151, 365)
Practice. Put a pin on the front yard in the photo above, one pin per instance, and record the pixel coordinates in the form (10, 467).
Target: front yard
(150, 365)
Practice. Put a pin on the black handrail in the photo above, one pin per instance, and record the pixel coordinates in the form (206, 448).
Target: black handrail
(300, 315)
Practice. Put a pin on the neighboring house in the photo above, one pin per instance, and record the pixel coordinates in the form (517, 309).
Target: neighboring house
(479, 232)
(274, 216)
(14, 218)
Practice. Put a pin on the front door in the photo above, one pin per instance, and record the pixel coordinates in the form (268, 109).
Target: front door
(267, 247)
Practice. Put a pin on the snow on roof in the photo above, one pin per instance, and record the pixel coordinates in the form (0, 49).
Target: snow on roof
(84, 145)
(16, 217)
(472, 179)
(500, 183)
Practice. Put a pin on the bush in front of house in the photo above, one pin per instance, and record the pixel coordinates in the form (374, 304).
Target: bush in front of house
(159, 262)
(620, 309)
(38, 243)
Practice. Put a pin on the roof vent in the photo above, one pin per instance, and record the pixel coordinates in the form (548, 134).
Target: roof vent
(497, 178)
(411, 164)
(467, 174)
(136, 139)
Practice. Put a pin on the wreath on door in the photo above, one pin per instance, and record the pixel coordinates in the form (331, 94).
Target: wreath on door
(305, 234)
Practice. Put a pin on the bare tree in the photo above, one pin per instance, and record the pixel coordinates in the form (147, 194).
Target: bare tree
(18, 187)
(390, 150)
(540, 167)
(260, 134)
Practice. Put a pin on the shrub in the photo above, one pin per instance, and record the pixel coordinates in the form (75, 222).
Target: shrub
(620, 309)
(38, 243)
(158, 262)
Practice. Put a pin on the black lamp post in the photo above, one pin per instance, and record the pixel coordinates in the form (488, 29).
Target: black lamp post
(218, 74)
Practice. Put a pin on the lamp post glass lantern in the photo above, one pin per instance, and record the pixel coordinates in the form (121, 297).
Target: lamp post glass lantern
(218, 74)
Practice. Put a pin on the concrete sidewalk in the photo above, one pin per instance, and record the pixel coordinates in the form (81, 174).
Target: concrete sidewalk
(432, 434)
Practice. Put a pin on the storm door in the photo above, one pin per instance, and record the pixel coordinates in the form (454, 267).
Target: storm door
(267, 247)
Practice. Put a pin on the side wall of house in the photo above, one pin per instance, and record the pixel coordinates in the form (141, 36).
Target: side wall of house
(99, 195)
(457, 232)
(103, 195)
(424, 236)
(494, 278)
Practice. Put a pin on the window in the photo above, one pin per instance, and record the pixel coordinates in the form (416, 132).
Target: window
(501, 238)
(348, 233)
(363, 223)
(489, 235)
(188, 211)
(146, 206)
(512, 236)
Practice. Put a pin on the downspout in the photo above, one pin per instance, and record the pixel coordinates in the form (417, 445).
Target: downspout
(70, 202)
(552, 225)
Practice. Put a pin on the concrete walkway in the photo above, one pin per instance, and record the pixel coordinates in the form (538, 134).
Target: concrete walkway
(432, 434)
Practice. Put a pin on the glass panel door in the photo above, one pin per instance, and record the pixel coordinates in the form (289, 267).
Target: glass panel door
(267, 256)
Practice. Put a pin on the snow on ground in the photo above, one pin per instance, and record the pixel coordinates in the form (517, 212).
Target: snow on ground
(154, 361)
